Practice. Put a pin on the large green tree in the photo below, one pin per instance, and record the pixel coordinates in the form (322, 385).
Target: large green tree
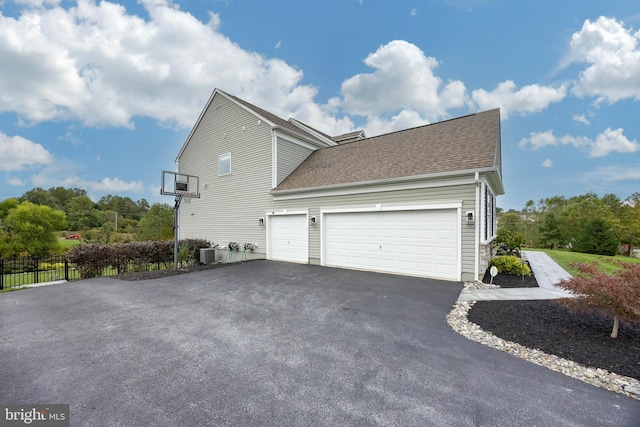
(157, 224)
(582, 209)
(30, 229)
(39, 196)
(6, 206)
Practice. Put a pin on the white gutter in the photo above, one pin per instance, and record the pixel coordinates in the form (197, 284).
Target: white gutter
(381, 181)
(477, 228)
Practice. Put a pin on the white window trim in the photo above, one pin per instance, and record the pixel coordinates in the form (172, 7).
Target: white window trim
(219, 159)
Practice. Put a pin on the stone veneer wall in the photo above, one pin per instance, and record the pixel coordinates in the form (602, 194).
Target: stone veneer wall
(487, 252)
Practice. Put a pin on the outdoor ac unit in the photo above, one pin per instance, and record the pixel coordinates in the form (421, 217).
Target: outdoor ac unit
(207, 255)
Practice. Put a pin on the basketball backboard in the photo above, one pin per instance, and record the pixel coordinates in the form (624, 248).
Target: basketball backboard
(180, 184)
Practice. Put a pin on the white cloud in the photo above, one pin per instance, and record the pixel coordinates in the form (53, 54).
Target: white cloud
(526, 100)
(277, 46)
(405, 119)
(18, 153)
(393, 87)
(605, 143)
(74, 140)
(548, 163)
(610, 174)
(107, 185)
(613, 141)
(37, 3)
(581, 118)
(613, 60)
(414, 11)
(15, 181)
(100, 65)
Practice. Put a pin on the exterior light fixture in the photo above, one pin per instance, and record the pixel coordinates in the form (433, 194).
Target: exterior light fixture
(312, 220)
(260, 221)
(469, 217)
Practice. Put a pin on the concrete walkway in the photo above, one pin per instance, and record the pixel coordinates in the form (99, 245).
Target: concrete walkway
(547, 273)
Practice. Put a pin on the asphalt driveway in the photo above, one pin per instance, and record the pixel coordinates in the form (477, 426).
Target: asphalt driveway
(268, 343)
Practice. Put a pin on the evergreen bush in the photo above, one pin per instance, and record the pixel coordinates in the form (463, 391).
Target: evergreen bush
(596, 237)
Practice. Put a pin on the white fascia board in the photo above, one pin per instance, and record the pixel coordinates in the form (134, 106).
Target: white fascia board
(312, 131)
(274, 160)
(369, 187)
(288, 137)
(249, 110)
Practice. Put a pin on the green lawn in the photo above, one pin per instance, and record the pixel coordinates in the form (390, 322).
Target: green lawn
(565, 258)
(68, 243)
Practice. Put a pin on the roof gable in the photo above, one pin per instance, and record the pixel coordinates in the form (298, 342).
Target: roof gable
(276, 121)
(468, 143)
(269, 118)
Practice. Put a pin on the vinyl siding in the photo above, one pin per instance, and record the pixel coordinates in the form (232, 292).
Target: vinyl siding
(289, 156)
(230, 205)
(464, 193)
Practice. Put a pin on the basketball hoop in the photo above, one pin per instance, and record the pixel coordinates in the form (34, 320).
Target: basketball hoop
(186, 196)
(183, 186)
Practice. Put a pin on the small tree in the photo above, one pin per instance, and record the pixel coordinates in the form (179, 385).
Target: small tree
(617, 294)
(157, 224)
(596, 237)
(513, 239)
(31, 229)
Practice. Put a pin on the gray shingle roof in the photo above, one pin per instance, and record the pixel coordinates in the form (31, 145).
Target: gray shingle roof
(462, 144)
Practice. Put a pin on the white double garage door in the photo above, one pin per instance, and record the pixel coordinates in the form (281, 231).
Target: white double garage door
(412, 242)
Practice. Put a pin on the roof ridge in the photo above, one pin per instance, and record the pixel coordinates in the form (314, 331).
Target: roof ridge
(418, 127)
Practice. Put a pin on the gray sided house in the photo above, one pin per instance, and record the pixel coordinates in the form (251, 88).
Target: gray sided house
(418, 202)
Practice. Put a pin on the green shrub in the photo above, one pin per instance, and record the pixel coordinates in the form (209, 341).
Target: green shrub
(50, 266)
(596, 237)
(512, 239)
(92, 258)
(510, 264)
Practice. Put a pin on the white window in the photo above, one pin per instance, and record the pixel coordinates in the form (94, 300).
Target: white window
(490, 213)
(224, 164)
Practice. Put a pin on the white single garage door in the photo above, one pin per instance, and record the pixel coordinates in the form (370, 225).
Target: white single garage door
(417, 243)
(288, 238)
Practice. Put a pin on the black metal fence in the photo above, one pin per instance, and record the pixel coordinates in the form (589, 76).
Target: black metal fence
(17, 272)
(21, 271)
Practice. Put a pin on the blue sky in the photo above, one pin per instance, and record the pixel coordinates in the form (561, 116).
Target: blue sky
(101, 95)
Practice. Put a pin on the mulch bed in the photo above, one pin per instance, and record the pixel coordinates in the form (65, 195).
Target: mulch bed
(552, 328)
(511, 281)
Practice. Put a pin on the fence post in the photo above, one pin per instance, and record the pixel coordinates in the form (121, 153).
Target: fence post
(35, 266)
(66, 269)
(1, 274)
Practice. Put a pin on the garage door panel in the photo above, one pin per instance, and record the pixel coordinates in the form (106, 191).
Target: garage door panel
(422, 243)
(288, 238)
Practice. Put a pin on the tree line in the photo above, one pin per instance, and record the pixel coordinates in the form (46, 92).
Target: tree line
(31, 224)
(588, 223)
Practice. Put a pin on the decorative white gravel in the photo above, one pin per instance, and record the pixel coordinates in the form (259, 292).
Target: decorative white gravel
(457, 319)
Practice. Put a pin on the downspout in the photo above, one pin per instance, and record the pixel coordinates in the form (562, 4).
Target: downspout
(477, 228)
